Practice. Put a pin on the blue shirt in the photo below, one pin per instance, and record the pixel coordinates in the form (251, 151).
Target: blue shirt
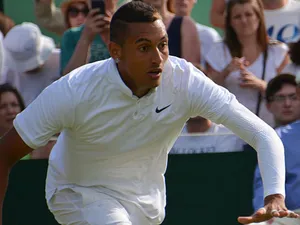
(290, 136)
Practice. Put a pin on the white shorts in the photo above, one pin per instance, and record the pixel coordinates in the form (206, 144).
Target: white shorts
(82, 206)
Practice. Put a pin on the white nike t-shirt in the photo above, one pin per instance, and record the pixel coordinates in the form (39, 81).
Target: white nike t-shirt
(117, 143)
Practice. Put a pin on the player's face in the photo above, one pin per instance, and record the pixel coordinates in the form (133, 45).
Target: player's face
(9, 108)
(285, 105)
(143, 56)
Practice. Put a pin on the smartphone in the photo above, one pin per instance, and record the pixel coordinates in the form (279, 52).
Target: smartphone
(99, 4)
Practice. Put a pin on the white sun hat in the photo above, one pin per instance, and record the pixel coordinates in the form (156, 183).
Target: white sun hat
(27, 46)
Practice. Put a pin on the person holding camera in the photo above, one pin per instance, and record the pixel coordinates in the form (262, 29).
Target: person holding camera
(87, 43)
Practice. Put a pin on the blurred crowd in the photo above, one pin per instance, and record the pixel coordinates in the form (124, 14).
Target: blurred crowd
(255, 55)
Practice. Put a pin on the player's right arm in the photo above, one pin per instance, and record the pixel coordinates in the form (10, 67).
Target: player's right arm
(51, 112)
(12, 149)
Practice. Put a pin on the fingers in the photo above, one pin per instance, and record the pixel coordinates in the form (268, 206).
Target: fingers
(292, 214)
(279, 213)
(259, 216)
(92, 13)
(245, 219)
(262, 215)
(261, 211)
(97, 23)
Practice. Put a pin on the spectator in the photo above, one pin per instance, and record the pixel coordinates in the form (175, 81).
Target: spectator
(217, 13)
(282, 100)
(209, 138)
(35, 60)
(289, 134)
(294, 66)
(11, 103)
(184, 46)
(51, 17)
(246, 60)
(6, 23)
(87, 43)
(282, 18)
(207, 35)
(75, 12)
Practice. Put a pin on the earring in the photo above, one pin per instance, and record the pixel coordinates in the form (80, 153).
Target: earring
(117, 60)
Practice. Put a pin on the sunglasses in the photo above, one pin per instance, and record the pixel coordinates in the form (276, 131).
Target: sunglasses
(74, 12)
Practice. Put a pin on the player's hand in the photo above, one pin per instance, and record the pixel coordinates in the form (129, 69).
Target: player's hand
(95, 24)
(274, 207)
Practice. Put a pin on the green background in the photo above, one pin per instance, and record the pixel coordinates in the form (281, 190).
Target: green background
(23, 11)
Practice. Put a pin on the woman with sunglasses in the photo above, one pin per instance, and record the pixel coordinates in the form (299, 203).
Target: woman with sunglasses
(75, 12)
(88, 42)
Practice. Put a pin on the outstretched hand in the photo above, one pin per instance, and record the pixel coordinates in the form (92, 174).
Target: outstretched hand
(274, 207)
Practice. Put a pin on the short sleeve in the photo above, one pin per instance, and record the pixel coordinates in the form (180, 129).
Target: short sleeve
(279, 51)
(51, 112)
(218, 56)
(68, 45)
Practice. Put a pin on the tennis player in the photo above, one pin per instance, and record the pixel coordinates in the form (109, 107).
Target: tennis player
(119, 118)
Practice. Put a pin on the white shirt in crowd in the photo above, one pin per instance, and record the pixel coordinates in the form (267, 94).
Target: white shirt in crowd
(216, 139)
(30, 85)
(208, 36)
(118, 144)
(219, 57)
(284, 24)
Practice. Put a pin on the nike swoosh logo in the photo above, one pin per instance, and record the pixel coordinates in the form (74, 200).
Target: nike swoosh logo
(157, 110)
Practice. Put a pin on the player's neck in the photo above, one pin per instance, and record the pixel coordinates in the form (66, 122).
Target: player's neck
(129, 82)
(271, 5)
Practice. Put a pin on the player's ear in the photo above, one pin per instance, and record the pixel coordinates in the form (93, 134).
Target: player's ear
(115, 50)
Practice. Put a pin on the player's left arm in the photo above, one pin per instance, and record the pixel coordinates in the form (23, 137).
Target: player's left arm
(218, 105)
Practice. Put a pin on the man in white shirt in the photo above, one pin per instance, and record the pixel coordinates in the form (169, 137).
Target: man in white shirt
(118, 120)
